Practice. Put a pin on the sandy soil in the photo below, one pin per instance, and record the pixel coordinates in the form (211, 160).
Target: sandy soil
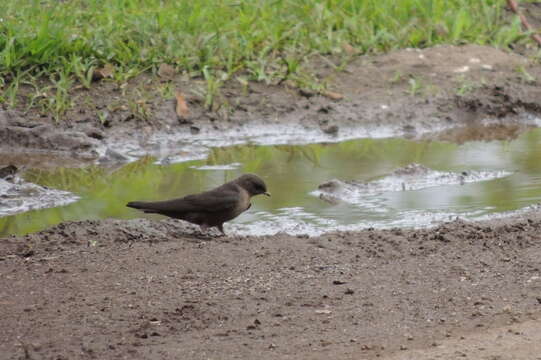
(154, 290)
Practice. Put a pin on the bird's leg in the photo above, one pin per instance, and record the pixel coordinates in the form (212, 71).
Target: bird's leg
(204, 229)
(221, 228)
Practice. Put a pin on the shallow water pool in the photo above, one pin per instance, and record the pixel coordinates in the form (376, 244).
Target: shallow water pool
(293, 174)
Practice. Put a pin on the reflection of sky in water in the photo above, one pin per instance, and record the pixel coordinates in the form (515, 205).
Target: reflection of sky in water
(293, 172)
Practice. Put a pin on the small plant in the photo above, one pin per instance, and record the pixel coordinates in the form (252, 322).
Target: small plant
(166, 90)
(416, 86)
(102, 117)
(214, 83)
(140, 110)
(292, 65)
(303, 80)
(123, 74)
(525, 76)
(245, 84)
(83, 70)
(258, 70)
(466, 86)
(10, 90)
(397, 77)
(55, 99)
(138, 103)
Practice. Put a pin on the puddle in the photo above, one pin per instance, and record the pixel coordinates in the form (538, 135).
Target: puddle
(474, 180)
(165, 145)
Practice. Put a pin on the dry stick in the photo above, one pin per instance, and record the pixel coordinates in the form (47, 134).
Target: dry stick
(513, 5)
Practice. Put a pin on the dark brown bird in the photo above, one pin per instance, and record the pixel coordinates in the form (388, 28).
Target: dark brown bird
(209, 208)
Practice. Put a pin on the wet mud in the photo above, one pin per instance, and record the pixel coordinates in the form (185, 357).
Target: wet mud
(17, 195)
(411, 177)
(411, 93)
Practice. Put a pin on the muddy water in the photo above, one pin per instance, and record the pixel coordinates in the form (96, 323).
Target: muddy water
(473, 180)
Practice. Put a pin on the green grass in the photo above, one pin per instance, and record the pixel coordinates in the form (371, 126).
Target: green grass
(64, 42)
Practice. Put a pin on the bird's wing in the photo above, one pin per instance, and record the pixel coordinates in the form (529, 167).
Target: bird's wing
(210, 201)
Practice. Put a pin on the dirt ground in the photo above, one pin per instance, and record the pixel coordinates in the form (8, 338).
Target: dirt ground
(143, 289)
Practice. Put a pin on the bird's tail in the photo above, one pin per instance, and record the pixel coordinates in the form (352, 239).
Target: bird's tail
(158, 207)
(136, 204)
(141, 205)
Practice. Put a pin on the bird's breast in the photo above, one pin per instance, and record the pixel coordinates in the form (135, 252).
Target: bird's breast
(244, 201)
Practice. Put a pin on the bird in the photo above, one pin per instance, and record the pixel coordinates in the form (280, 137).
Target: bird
(210, 208)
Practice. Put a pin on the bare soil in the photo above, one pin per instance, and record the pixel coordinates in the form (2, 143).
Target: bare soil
(152, 290)
(143, 289)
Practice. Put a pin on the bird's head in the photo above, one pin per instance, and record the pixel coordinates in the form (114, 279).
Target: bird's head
(253, 184)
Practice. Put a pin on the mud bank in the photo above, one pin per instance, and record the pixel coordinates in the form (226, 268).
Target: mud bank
(18, 196)
(411, 177)
(142, 289)
(412, 93)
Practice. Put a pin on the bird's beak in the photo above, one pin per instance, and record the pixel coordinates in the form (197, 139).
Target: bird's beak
(266, 193)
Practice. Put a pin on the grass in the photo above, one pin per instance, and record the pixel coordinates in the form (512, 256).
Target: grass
(65, 42)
